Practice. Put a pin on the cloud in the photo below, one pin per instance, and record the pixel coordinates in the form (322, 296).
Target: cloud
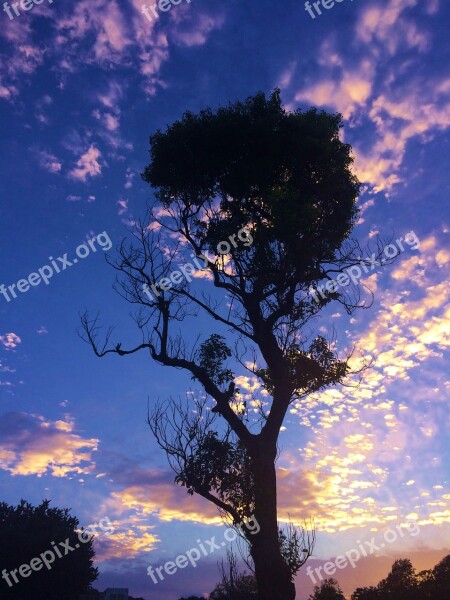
(167, 502)
(103, 24)
(49, 162)
(129, 176)
(396, 106)
(129, 540)
(346, 94)
(10, 341)
(387, 26)
(123, 206)
(32, 445)
(26, 57)
(87, 165)
(195, 31)
(362, 446)
(5, 369)
(147, 498)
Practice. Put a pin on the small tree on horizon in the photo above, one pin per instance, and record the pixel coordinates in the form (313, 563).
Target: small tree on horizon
(329, 589)
(235, 585)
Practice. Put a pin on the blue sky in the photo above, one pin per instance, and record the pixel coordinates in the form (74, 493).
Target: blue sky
(82, 86)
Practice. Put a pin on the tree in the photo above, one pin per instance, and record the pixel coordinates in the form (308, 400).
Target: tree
(234, 585)
(434, 584)
(273, 191)
(329, 590)
(370, 593)
(441, 577)
(27, 533)
(401, 583)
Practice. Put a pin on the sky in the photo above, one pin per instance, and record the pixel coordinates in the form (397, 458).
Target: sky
(82, 87)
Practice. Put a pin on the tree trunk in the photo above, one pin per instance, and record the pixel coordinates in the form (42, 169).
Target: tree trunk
(272, 574)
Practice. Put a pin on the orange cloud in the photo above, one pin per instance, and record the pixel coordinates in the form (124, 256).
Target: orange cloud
(31, 445)
(167, 502)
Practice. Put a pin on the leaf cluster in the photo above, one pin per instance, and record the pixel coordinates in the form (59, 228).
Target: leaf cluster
(221, 466)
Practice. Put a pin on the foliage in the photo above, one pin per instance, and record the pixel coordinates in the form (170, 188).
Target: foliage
(213, 353)
(235, 585)
(441, 580)
(403, 583)
(328, 369)
(220, 466)
(328, 590)
(369, 593)
(244, 588)
(296, 545)
(26, 532)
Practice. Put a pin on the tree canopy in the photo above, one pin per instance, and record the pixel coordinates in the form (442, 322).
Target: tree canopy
(403, 583)
(29, 531)
(328, 590)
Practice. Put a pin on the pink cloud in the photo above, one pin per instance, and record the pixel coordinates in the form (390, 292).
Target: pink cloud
(197, 31)
(10, 340)
(87, 165)
(123, 206)
(111, 122)
(49, 162)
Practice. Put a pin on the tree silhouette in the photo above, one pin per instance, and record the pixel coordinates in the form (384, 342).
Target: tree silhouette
(234, 585)
(26, 533)
(403, 583)
(370, 593)
(328, 590)
(441, 580)
(277, 188)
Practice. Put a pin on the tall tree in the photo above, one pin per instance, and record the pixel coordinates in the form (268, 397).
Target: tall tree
(272, 193)
(29, 532)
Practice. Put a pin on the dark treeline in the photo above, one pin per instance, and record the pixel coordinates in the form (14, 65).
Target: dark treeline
(402, 583)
